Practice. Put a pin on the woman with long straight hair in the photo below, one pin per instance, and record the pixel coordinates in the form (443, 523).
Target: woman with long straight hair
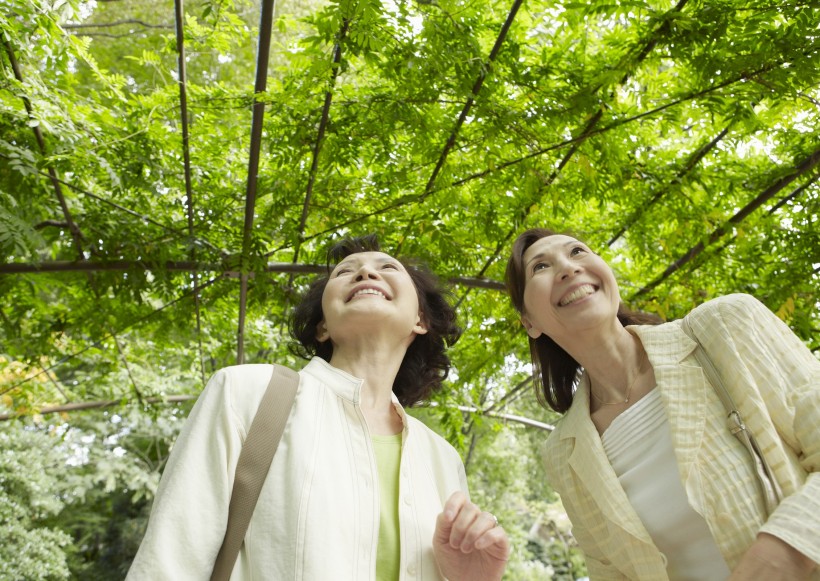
(655, 484)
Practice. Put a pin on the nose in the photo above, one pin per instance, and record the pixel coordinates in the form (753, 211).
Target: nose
(567, 269)
(366, 272)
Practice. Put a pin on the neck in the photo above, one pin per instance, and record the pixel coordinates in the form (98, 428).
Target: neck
(613, 362)
(377, 366)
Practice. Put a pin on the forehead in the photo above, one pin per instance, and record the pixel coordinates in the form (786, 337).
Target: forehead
(370, 257)
(548, 245)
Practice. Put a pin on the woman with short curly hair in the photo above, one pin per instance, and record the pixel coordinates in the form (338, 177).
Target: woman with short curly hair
(425, 364)
(358, 489)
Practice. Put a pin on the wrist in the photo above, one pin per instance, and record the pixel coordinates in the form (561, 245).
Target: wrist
(776, 551)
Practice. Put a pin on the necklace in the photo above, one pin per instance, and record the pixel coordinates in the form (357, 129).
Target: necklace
(628, 389)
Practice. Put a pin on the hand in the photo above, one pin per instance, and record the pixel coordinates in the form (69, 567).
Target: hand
(770, 559)
(468, 544)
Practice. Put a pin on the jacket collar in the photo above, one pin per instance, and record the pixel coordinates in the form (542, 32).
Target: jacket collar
(667, 346)
(340, 382)
(344, 385)
(683, 390)
(588, 461)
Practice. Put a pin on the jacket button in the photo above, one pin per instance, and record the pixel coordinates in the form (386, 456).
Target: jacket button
(411, 569)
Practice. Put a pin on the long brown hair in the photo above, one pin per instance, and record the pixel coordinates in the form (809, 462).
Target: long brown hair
(555, 372)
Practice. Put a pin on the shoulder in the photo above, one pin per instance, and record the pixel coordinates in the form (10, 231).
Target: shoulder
(733, 304)
(240, 387)
(247, 378)
(734, 313)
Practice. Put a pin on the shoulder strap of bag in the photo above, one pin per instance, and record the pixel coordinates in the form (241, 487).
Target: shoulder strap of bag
(772, 494)
(254, 462)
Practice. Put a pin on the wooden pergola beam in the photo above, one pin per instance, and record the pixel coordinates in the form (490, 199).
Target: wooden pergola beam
(258, 116)
(90, 405)
(188, 266)
(465, 111)
(800, 169)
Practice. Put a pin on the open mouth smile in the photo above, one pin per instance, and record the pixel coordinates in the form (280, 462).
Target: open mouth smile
(367, 291)
(579, 293)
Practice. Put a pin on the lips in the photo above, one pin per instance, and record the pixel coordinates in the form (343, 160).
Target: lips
(367, 290)
(577, 294)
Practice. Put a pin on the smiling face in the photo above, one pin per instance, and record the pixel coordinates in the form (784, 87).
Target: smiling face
(567, 288)
(368, 291)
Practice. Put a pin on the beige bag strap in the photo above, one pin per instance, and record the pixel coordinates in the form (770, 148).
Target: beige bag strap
(772, 495)
(254, 462)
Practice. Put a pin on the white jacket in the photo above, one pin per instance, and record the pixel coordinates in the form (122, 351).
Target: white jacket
(318, 513)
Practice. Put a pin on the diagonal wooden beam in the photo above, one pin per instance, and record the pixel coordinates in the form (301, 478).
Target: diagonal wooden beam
(691, 163)
(486, 67)
(90, 405)
(493, 414)
(262, 57)
(725, 243)
(56, 183)
(320, 136)
(590, 128)
(803, 167)
(41, 144)
(794, 194)
(741, 78)
(479, 82)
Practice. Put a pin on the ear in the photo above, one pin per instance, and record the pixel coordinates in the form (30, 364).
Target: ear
(532, 330)
(420, 328)
(322, 333)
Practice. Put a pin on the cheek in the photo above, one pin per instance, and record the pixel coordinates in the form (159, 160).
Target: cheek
(608, 277)
(536, 293)
(327, 306)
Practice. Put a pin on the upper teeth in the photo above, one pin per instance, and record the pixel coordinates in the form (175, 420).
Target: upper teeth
(579, 293)
(368, 291)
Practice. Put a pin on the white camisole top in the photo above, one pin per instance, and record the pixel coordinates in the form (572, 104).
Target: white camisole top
(639, 447)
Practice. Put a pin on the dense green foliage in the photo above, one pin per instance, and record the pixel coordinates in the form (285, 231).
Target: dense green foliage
(681, 140)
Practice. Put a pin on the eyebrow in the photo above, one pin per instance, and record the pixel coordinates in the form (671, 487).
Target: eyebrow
(540, 255)
(351, 260)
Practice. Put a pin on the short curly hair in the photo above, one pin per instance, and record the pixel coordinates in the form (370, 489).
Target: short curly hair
(426, 364)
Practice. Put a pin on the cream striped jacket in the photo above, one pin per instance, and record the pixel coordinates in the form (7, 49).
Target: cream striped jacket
(774, 379)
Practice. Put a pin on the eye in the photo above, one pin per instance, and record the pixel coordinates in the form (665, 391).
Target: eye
(390, 265)
(539, 266)
(577, 250)
(340, 270)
